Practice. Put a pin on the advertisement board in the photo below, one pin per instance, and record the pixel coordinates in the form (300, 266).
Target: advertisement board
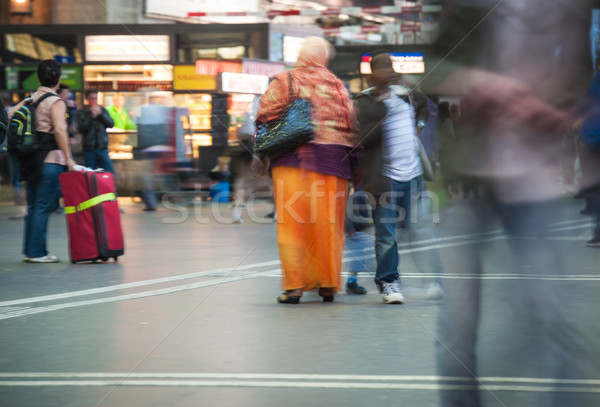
(25, 77)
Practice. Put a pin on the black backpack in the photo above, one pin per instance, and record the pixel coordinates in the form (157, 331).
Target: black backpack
(23, 140)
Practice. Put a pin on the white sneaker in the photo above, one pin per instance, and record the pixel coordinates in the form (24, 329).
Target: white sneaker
(49, 258)
(26, 258)
(391, 292)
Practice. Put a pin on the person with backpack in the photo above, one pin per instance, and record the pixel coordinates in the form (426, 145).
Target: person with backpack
(41, 164)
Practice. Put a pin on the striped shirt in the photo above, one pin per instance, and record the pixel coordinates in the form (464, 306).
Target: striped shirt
(400, 147)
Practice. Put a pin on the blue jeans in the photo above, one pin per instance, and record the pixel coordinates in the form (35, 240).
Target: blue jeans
(98, 159)
(41, 198)
(391, 207)
(358, 244)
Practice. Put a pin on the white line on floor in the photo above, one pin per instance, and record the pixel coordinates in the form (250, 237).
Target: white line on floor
(11, 313)
(294, 376)
(128, 382)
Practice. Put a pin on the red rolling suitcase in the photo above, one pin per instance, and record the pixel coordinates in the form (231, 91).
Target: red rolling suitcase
(93, 217)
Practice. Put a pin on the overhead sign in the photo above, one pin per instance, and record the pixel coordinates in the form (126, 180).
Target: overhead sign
(147, 48)
(403, 62)
(244, 83)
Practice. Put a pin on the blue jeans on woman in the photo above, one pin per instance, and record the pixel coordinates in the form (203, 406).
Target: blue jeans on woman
(391, 207)
(41, 198)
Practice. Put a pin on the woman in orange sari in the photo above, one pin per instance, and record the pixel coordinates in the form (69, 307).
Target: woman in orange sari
(311, 183)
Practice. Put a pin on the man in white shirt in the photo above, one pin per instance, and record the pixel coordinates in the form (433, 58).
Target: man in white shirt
(389, 165)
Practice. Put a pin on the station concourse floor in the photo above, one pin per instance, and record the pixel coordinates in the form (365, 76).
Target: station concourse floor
(188, 317)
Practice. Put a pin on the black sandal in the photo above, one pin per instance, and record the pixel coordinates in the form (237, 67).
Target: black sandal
(288, 299)
(327, 294)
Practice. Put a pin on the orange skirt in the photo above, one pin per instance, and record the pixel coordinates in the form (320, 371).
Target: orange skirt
(310, 208)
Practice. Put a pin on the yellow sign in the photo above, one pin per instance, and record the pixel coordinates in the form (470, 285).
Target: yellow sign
(186, 78)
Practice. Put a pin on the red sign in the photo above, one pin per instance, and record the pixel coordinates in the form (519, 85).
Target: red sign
(412, 9)
(410, 28)
(371, 10)
(213, 67)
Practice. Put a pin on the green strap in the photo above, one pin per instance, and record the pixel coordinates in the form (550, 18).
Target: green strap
(91, 202)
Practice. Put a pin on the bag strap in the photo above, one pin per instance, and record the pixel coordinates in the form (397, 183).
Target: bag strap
(90, 202)
(41, 98)
(291, 84)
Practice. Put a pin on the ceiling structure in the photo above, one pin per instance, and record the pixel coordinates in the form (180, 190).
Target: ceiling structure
(345, 22)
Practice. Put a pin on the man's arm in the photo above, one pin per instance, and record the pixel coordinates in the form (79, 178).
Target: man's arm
(84, 121)
(61, 135)
(105, 119)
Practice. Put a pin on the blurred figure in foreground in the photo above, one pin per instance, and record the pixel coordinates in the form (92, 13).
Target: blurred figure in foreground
(522, 65)
(311, 183)
(588, 146)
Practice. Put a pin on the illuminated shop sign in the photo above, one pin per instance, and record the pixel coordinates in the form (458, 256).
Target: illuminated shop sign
(151, 48)
(244, 83)
(262, 68)
(213, 67)
(404, 62)
(186, 78)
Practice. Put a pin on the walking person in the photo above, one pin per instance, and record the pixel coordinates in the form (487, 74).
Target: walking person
(389, 164)
(92, 122)
(522, 79)
(311, 183)
(41, 171)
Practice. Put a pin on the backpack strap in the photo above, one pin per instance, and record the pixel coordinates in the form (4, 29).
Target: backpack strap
(41, 98)
(46, 140)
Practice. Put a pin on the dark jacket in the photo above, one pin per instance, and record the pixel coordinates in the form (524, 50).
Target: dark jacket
(370, 116)
(94, 129)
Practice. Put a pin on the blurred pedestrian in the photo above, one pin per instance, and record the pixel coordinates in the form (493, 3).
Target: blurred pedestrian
(446, 145)
(41, 170)
(588, 146)
(522, 65)
(358, 241)
(65, 94)
(311, 183)
(92, 122)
